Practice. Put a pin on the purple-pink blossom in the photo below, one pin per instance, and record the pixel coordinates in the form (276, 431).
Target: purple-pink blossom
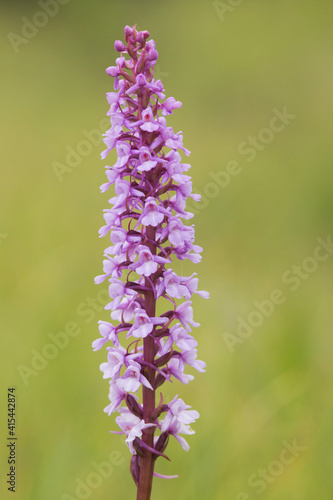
(132, 426)
(149, 339)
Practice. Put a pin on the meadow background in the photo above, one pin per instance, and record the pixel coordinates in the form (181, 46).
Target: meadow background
(231, 64)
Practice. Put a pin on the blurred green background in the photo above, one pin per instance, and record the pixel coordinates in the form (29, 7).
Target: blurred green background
(230, 65)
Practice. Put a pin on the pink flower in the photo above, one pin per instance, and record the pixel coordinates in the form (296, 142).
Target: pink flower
(132, 378)
(175, 428)
(147, 263)
(190, 358)
(173, 284)
(181, 338)
(144, 324)
(181, 412)
(148, 124)
(116, 396)
(132, 426)
(179, 233)
(116, 360)
(146, 163)
(176, 368)
(184, 313)
(153, 213)
(108, 332)
(169, 105)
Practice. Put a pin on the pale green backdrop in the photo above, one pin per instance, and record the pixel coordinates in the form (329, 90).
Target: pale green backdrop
(234, 65)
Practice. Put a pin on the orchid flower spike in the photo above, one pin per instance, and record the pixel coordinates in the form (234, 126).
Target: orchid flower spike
(145, 222)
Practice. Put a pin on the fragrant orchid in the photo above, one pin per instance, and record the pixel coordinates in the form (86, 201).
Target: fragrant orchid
(147, 232)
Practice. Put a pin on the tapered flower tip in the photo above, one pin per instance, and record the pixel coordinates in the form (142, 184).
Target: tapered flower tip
(119, 46)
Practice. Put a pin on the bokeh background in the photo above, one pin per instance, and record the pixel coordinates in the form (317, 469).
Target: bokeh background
(231, 64)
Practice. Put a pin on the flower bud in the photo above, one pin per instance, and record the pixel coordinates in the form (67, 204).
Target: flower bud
(134, 406)
(163, 360)
(159, 380)
(153, 55)
(131, 51)
(112, 71)
(150, 45)
(128, 31)
(135, 468)
(139, 37)
(162, 442)
(119, 46)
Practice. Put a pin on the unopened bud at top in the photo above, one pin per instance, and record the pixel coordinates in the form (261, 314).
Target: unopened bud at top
(128, 31)
(119, 46)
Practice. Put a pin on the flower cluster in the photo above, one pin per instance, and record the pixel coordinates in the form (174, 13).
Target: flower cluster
(147, 232)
